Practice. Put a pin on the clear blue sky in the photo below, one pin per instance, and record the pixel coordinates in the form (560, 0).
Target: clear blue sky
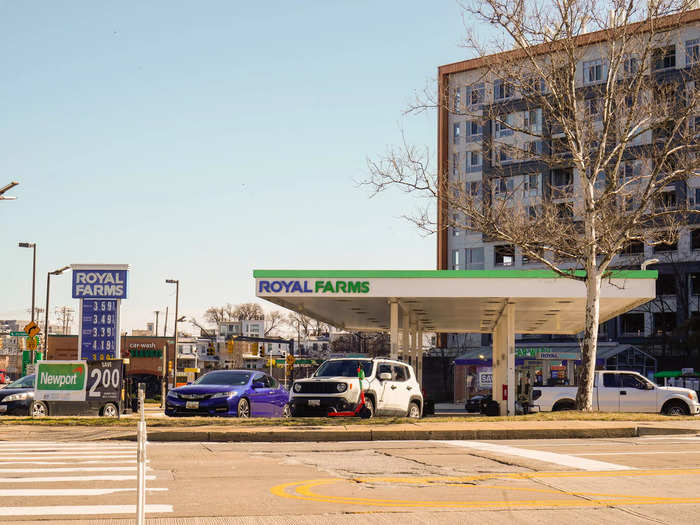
(201, 140)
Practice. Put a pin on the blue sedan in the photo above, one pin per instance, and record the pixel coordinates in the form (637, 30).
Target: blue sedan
(242, 393)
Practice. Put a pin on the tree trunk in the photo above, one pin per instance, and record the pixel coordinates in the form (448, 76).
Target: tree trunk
(584, 396)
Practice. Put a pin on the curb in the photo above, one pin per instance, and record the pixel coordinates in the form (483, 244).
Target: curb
(311, 436)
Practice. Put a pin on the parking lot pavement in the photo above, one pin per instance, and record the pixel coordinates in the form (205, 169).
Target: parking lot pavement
(608, 481)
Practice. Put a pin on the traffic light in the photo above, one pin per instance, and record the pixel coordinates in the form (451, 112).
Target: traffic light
(170, 366)
(210, 348)
(262, 350)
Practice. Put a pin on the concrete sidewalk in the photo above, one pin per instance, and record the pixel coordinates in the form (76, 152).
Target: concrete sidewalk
(422, 430)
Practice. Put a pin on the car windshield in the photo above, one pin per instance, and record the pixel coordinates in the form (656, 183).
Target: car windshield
(344, 368)
(23, 382)
(224, 377)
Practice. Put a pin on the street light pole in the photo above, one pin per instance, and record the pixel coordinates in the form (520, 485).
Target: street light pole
(46, 319)
(156, 331)
(33, 246)
(177, 301)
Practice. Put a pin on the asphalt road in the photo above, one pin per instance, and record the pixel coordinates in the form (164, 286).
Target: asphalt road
(641, 480)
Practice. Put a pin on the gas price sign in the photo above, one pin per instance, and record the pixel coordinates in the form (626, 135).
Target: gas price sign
(99, 329)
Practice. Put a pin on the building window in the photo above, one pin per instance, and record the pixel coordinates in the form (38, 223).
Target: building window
(474, 131)
(503, 255)
(633, 248)
(455, 164)
(455, 221)
(632, 324)
(474, 258)
(502, 185)
(694, 284)
(532, 184)
(692, 52)
(697, 198)
(593, 71)
(502, 90)
(475, 94)
(456, 129)
(455, 259)
(503, 127)
(666, 284)
(666, 200)
(473, 188)
(538, 251)
(663, 58)
(666, 247)
(533, 120)
(594, 108)
(630, 170)
(473, 161)
(562, 182)
(695, 239)
(664, 322)
(457, 99)
(631, 65)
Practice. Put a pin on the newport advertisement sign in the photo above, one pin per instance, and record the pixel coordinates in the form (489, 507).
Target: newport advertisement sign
(60, 381)
(315, 286)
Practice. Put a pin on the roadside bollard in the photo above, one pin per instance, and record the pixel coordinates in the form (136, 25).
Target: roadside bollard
(141, 459)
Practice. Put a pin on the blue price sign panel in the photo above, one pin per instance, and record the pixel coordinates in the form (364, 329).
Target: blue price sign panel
(99, 283)
(99, 329)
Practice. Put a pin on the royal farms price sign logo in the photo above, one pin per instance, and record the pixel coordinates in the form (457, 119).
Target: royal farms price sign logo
(60, 381)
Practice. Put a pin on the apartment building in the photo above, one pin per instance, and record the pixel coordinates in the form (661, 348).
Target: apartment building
(469, 158)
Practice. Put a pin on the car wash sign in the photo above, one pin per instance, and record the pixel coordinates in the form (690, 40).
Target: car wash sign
(100, 288)
(60, 381)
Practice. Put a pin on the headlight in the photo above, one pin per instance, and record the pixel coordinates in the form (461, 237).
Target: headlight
(297, 387)
(16, 397)
(223, 394)
(172, 393)
(341, 387)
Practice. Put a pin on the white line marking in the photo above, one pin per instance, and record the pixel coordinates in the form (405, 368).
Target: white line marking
(76, 456)
(82, 510)
(76, 462)
(683, 452)
(53, 479)
(540, 455)
(67, 469)
(67, 492)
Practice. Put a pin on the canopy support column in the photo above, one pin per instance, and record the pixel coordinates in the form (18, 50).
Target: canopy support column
(418, 366)
(394, 328)
(504, 361)
(405, 348)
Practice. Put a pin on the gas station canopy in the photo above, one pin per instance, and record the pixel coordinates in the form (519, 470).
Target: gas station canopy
(409, 303)
(451, 300)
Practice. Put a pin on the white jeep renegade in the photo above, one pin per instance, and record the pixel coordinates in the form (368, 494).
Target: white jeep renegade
(390, 389)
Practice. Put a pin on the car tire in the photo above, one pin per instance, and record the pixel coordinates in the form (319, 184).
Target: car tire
(368, 408)
(676, 408)
(287, 411)
(413, 410)
(38, 409)
(110, 410)
(243, 408)
(560, 406)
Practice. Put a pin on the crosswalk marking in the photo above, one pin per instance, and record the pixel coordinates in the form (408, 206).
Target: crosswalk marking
(62, 510)
(69, 492)
(95, 471)
(52, 479)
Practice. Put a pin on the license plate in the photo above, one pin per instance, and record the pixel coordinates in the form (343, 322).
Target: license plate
(314, 402)
(192, 404)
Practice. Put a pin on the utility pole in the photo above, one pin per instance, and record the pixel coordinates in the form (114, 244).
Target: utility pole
(165, 327)
(156, 331)
(31, 245)
(176, 282)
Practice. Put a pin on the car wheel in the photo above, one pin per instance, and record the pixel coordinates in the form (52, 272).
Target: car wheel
(676, 408)
(110, 410)
(38, 409)
(369, 408)
(286, 411)
(243, 408)
(414, 410)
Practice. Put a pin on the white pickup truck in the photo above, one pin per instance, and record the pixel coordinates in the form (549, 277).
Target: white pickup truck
(618, 391)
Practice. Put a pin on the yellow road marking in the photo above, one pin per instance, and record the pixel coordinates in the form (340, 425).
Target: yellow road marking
(304, 490)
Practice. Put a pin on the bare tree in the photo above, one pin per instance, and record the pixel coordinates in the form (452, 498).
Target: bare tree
(579, 93)
(273, 320)
(219, 314)
(248, 312)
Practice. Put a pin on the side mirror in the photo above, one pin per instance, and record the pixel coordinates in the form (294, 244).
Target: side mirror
(385, 376)
(258, 384)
